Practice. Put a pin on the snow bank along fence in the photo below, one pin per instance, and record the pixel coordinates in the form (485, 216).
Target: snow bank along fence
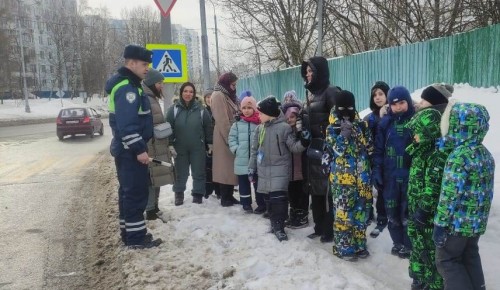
(471, 57)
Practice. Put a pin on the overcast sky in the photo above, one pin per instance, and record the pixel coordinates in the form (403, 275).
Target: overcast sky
(185, 13)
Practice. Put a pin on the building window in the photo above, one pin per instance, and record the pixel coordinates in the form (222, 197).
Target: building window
(40, 40)
(42, 55)
(43, 68)
(50, 55)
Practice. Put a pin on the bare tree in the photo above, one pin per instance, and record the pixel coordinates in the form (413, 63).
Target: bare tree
(142, 25)
(7, 51)
(60, 30)
(95, 37)
(486, 12)
(274, 31)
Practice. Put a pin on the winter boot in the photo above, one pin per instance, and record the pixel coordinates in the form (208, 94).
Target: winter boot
(259, 210)
(300, 221)
(404, 253)
(151, 215)
(146, 245)
(381, 224)
(179, 198)
(278, 228)
(395, 249)
(197, 198)
(226, 194)
(248, 208)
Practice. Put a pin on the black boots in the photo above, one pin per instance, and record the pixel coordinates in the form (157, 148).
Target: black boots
(298, 219)
(227, 198)
(197, 198)
(278, 228)
(179, 198)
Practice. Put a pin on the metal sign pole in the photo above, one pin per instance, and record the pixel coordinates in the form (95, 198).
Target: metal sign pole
(204, 47)
(166, 37)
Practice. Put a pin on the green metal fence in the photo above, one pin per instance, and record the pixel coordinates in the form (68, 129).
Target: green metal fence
(472, 57)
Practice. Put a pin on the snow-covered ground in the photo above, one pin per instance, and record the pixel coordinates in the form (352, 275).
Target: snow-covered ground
(210, 247)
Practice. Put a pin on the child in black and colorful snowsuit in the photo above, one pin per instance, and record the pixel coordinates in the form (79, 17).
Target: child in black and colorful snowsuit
(378, 99)
(392, 166)
(272, 145)
(299, 199)
(348, 146)
(466, 195)
(240, 138)
(424, 185)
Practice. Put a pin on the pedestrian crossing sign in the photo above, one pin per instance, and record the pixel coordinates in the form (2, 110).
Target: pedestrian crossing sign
(170, 60)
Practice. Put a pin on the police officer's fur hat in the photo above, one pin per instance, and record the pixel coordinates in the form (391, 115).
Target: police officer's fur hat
(133, 51)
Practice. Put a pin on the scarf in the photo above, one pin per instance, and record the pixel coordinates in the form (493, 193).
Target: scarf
(232, 95)
(254, 118)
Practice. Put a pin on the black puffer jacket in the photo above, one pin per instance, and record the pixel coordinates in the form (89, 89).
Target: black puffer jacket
(315, 118)
(322, 97)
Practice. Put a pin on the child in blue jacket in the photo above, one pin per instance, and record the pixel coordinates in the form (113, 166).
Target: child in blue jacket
(240, 137)
(392, 166)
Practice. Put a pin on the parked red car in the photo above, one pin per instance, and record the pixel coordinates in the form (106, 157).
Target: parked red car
(73, 121)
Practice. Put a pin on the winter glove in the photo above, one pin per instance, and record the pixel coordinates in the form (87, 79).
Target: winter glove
(378, 180)
(305, 138)
(298, 125)
(439, 236)
(346, 128)
(210, 149)
(421, 218)
(251, 176)
(172, 151)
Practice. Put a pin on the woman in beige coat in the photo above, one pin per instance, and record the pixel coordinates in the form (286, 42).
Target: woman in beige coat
(157, 148)
(224, 109)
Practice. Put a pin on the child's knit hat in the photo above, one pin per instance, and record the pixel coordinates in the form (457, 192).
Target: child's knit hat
(269, 106)
(397, 94)
(437, 94)
(244, 94)
(249, 101)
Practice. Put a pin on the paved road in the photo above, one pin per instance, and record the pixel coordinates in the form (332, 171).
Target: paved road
(40, 180)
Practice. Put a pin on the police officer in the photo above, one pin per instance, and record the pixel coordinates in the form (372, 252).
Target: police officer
(132, 125)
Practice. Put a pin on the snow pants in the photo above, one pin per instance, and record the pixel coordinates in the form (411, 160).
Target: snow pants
(194, 158)
(396, 206)
(349, 222)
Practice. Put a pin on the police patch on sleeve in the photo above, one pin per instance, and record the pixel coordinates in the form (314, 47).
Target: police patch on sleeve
(131, 97)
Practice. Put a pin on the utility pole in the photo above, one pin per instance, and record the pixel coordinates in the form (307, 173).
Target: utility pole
(217, 43)
(204, 47)
(23, 65)
(319, 49)
(166, 37)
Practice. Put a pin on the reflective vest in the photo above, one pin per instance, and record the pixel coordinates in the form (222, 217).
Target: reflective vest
(111, 98)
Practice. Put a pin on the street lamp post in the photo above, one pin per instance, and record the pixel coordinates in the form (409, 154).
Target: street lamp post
(217, 43)
(23, 65)
(216, 39)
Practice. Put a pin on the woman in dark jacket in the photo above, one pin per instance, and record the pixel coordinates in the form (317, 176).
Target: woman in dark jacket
(319, 103)
(192, 134)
